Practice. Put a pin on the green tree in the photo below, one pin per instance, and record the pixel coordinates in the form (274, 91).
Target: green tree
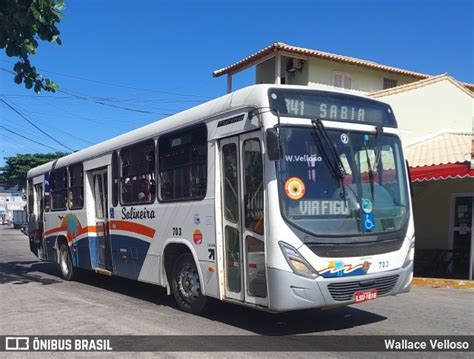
(16, 167)
(22, 24)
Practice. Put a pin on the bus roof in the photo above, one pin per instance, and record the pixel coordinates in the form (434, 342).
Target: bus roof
(251, 96)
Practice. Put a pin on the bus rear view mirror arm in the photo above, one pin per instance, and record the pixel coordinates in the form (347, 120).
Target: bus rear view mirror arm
(273, 145)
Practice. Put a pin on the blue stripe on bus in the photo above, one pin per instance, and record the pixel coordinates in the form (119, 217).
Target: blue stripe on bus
(128, 254)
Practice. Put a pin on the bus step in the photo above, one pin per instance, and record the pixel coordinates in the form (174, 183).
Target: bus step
(103, 271)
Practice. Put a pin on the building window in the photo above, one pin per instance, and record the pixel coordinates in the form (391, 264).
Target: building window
(183, 164)
(59, 189)
(137, 181)
(76, 187)
(389, 83)
(115, 178)
(342, 79)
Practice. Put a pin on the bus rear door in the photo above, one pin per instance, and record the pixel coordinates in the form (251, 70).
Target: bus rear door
(100, 194)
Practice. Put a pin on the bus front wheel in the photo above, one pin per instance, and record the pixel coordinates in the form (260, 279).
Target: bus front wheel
(65, 263)
(186, 285)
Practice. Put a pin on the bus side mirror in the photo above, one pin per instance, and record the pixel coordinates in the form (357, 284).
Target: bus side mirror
(273, 145)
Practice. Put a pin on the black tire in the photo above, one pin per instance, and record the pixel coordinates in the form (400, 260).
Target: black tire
(68, 272)
(186, 285)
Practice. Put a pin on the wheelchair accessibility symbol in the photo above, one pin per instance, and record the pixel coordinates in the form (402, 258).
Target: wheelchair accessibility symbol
(369, 222)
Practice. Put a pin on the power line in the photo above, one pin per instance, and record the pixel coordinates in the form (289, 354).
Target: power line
(75, 115)
(100, 101)
(46, 124)
(34, 125)
(27, 138)
(109, 99)
(114, 106)
(16, 143)
(115, 85)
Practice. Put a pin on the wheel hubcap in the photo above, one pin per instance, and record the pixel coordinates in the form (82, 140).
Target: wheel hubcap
(188, 283)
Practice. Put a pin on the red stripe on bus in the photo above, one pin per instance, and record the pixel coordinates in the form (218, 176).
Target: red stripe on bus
(87, 230)
(54, 230)
(118, 225)
(132, 227)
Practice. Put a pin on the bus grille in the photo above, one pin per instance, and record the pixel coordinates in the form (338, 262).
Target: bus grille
(345, 290)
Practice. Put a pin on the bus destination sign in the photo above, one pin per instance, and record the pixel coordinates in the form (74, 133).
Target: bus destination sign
(330, 106)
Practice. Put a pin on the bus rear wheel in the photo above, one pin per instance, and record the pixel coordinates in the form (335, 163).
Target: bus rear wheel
(186, 285)
(65, 263)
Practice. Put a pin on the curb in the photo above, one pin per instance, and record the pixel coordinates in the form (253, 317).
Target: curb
(443, 283)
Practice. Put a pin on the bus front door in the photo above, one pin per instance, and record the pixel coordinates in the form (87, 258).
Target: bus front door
(242, 189)
(99, 185)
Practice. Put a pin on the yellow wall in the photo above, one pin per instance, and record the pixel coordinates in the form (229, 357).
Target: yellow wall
(363, 79)
(318, 71)
(431, 210)
(265, 73)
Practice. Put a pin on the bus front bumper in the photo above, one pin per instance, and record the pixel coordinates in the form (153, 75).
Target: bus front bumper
(289, 291)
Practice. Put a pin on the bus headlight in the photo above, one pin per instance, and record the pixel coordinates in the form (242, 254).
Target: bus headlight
(297, 263)
(411, 253)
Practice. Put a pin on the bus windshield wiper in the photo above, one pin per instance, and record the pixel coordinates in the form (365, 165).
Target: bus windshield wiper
(377, 151)
(376, 146)
(330, 157)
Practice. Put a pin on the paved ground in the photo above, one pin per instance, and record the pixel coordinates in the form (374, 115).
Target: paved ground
(34, 300)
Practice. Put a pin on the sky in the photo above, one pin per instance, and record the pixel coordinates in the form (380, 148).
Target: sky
(123, 64)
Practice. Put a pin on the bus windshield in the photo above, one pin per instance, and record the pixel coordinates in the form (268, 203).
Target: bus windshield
(366, 196)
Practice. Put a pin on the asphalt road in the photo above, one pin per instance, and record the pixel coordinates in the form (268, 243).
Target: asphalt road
(34, 300)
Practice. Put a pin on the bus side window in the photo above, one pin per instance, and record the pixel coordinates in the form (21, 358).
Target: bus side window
(76, 186)
(39, 204)
(30, 196)
(59, 189)
(253, 189)
(183, 164)
(115, 178)
(138, 173)
(47, 196)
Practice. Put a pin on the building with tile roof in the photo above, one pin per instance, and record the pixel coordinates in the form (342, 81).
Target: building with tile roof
(444, 148)
(283, 63)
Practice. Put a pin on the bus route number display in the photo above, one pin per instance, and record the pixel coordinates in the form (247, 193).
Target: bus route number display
(328, 111)
(331, 106)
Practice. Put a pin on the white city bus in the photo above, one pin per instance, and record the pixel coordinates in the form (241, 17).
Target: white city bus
(276, 197)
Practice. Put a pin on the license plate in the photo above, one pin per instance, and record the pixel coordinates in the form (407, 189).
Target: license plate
(365, 295)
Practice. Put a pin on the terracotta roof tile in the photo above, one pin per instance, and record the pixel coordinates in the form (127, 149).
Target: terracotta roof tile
(445, 148)
(419, 84)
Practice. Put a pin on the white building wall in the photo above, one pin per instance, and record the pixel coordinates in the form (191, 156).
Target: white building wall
(426, 111)
(10, 203)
